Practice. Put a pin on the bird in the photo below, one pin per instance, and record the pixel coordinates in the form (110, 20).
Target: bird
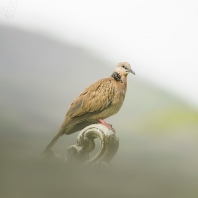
(97, 102)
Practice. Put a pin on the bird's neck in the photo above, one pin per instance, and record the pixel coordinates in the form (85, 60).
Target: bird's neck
(119, 78)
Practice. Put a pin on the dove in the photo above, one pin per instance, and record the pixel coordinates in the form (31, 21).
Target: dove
(97, 102)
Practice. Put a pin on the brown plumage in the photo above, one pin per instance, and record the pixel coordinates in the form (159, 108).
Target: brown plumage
(100, 100)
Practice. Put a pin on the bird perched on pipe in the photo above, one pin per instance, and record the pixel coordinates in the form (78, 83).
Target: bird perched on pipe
(100, 100)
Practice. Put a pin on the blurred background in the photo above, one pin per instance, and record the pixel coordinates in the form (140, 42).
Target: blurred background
(51, 50)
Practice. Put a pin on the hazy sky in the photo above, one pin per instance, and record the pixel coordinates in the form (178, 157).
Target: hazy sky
(159, 38)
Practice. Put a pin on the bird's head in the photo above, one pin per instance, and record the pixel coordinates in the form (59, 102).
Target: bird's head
(124, 68)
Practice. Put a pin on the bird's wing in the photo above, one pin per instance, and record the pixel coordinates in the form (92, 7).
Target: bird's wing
(94, 98)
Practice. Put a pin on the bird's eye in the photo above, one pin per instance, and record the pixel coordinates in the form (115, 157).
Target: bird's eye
(123, 66)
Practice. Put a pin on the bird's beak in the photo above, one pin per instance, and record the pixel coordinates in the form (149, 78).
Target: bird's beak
(131, 71)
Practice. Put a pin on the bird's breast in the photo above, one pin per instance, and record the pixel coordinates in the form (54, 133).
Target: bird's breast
(113, 107)
(118, 100)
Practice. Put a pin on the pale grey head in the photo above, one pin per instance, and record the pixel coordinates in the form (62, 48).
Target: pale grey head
(124, 68)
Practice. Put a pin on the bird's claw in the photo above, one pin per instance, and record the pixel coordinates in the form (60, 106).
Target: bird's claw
(109, 126)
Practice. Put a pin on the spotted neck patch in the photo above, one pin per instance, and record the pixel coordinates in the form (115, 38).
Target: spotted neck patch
(117, 77)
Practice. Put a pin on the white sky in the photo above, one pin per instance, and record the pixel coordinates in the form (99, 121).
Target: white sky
(159, 38)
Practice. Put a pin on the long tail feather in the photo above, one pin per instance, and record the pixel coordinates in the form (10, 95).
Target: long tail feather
(54, 140)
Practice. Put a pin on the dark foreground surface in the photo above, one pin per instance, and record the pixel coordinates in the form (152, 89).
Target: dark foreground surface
(139, 171)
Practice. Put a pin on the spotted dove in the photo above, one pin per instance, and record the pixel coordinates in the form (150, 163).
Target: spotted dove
(100, 100)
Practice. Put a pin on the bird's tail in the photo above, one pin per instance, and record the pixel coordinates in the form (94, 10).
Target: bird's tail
(51, 144)
(54, 140)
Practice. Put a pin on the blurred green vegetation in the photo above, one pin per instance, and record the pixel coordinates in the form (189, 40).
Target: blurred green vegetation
(169, 120)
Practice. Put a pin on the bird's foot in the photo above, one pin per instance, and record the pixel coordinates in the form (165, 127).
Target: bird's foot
(109, 126)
